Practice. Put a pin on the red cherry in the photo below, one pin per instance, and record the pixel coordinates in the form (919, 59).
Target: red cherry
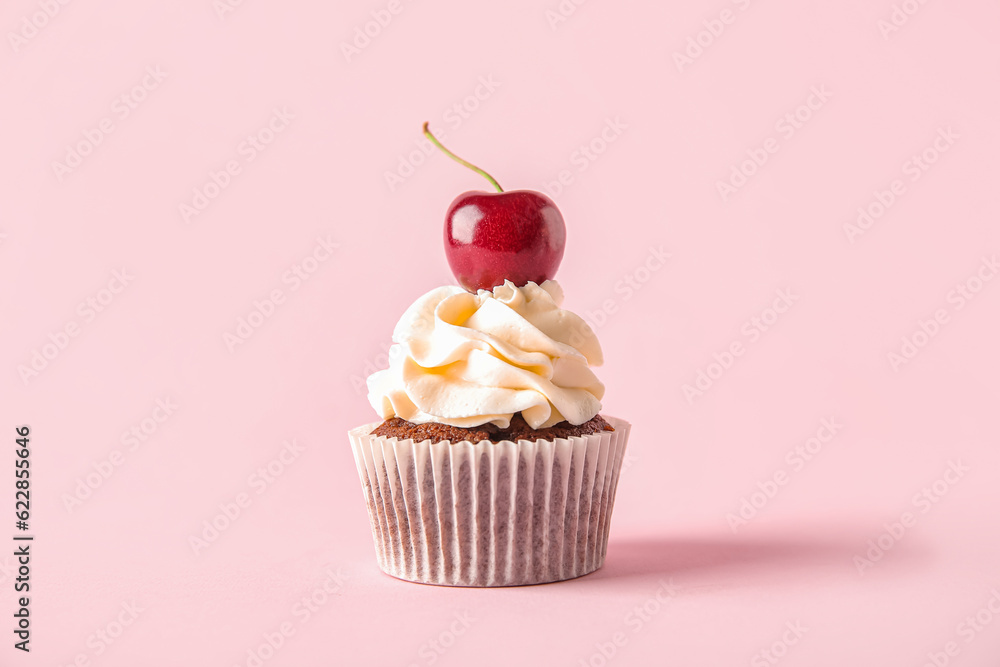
(490, 237)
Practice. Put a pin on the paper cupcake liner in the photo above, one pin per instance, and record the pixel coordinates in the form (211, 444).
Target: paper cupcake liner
(490, 514)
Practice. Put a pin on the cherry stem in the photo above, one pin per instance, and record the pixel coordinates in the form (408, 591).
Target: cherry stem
(459, 160)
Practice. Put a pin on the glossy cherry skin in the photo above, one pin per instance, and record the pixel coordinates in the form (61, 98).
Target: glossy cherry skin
(490, 237)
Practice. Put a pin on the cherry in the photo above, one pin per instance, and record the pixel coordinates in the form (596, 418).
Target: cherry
(490, 237)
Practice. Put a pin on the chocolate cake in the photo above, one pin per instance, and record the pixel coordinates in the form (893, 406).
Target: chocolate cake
(518, 430)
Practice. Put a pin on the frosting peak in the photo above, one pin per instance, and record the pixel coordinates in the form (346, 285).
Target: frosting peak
(467, 359)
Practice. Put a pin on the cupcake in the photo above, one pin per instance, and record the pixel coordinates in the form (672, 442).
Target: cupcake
(491, 464)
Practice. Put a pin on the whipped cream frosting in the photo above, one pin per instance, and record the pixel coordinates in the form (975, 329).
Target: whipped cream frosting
(468, 359)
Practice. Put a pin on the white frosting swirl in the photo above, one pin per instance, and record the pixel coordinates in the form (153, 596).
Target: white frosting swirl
(467, 359)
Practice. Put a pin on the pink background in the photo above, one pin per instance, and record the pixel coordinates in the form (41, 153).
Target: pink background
(553, 88)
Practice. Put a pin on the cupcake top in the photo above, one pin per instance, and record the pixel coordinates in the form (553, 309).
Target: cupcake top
(466, 359)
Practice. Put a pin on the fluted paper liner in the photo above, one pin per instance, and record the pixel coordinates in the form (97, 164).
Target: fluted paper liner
(490, 514)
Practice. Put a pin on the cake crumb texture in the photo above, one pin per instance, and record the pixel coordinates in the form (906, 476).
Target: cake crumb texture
(518, 430)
